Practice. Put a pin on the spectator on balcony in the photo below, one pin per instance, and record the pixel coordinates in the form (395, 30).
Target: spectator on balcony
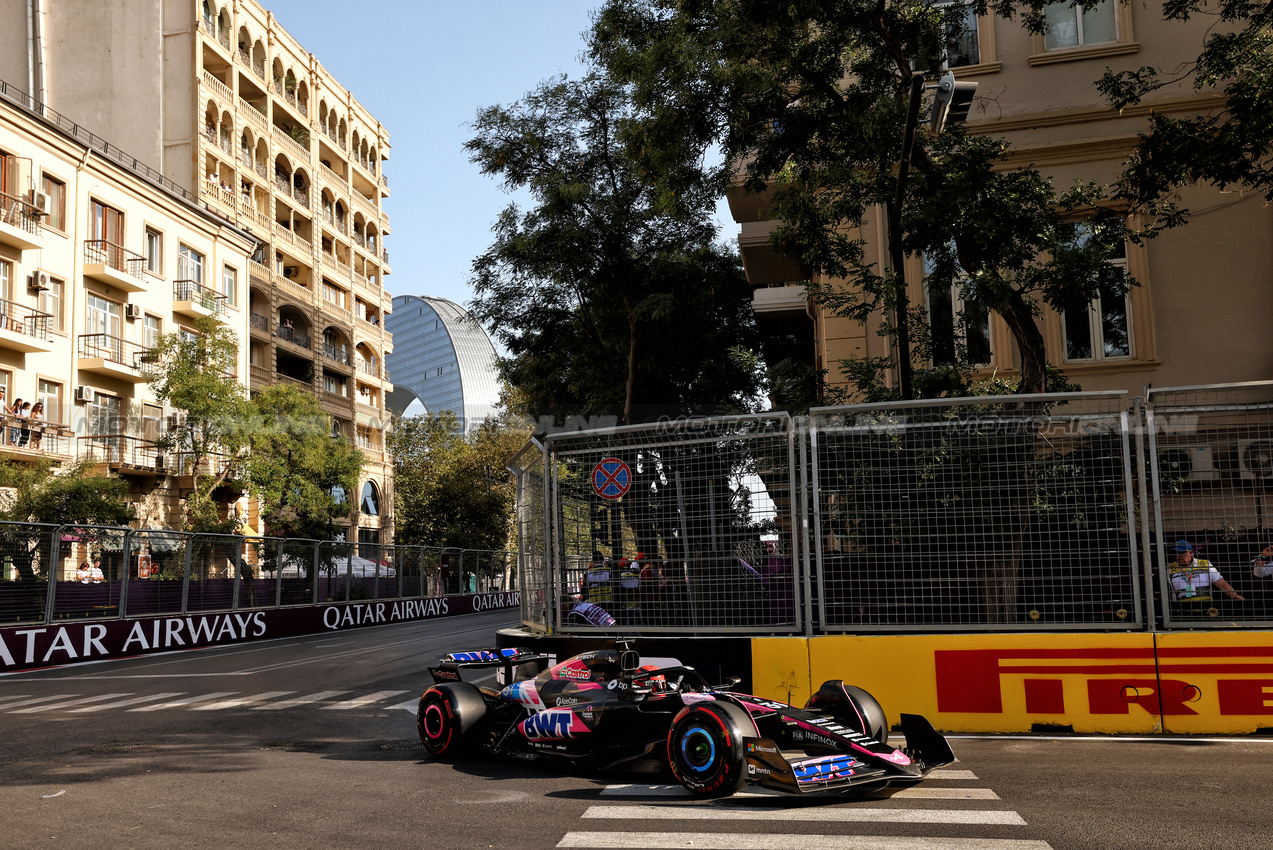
(1192, 579)
(84, 574)
(36, 421)
(1262, 564)
(14, 431)
(24, 429)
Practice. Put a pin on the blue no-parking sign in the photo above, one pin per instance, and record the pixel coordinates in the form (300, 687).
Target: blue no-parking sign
(611, 478)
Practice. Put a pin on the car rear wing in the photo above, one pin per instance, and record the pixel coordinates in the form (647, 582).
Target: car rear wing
(516, 663)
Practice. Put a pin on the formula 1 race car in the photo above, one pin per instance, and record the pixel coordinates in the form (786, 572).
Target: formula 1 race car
(607, 709)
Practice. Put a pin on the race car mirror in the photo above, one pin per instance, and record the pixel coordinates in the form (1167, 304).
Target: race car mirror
(629, 661)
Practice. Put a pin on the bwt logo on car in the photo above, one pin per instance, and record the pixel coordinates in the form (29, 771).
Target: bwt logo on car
(551, 725)
(833, 767)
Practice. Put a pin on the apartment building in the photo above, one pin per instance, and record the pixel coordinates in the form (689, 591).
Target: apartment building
(1204, 290)
(230, 107)
(99, 256)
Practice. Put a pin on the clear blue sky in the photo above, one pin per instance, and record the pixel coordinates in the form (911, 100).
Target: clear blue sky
(425, 73)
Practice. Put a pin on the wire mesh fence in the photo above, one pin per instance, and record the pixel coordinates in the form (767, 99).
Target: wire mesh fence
(530, 477)
(975, 514)
(676, 525)
(67, 572)
(1212, 486)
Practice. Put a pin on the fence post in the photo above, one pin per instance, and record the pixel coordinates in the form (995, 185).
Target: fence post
(185, 582)
(808, 467)
(349, 571)
(278, 573)
(238, 573)
(123, 583)
(314, 572)
(51, 568)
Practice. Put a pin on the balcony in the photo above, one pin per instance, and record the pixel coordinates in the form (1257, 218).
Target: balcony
(288, 334)
(23, 328)
(114, 265)
(126, 454)
(112, 356)
(774, 300)
(290, 145)
(260, 323)
(19, 224)
(218, 88)
(332, 352)
(43, 440)
(193, 299)
(256, 116)
(222, 38)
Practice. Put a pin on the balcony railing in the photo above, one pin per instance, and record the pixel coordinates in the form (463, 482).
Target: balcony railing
(103, 252)
(20, 319)
(39, 437)
(290, 144)
(196, 293)
(292, 335)
(367, 367)
(340, 355)
(125, 450)
(260, 323)
(261, 169)
(113, 349)
(219, 88)
(258, 68)
(255, 115)
(18, 213)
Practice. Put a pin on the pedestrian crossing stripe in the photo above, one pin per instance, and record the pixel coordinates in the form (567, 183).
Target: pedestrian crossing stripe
(214, 701)
(772, 841)
(846, 814)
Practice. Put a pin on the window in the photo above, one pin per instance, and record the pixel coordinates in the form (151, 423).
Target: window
(335, 295)
(334, 384)
(230, 284)
(370, 504)
(108, 224)
(104, 415)
(960, 329)
(56, 190)
(6, 280)
(154, 251)
(152, 329)
(1073, 26)
(961, 46)
(1099, 331)
(50, 395)
(50, 302)
(101, 315)
(189, 264)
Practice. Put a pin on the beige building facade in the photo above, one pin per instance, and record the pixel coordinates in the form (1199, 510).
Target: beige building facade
(78, 311)
(1205, 290)
(230, 107)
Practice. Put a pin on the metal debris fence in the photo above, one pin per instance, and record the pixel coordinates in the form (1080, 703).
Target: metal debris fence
(1023, 513)
(54, 573)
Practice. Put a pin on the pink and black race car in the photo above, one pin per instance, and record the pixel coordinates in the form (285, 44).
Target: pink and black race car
(610, 710)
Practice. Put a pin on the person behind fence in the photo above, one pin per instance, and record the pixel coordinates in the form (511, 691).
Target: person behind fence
(1262, 564)
(1192, 578)
(597, 586)
(84, 574)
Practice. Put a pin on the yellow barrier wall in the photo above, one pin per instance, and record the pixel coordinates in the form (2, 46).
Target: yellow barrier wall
(1113, 683)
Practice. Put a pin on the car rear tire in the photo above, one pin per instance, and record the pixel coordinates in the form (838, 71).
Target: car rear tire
(705, 748)
(853, 707)
(449, 718)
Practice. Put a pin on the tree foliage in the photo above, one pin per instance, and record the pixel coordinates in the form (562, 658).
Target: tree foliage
(806, 99)
(192, 373)
(609, 299)
(295, 466)
(74, 494)
(452, 489)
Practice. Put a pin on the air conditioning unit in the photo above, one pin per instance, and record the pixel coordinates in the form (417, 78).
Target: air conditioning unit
(1255, 459)
(38, 281)
(290, 271)
(1186, 463)
(132, 311)
(84, 395)
(39, 202)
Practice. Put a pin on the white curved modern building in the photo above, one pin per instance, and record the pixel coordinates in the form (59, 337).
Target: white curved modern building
(441, 358)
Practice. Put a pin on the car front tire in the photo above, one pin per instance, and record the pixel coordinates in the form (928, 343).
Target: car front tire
(705, 748)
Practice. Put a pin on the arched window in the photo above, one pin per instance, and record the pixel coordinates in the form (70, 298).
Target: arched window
(370, 503)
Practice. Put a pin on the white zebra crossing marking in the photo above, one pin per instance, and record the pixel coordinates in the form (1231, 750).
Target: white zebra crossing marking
(126, 702)
(305, 700)
(34, 700)
(178, 703)
(845, 814)
(732, 841)
(67, 703)
(922, 793)
(242, 701)
(361, 701)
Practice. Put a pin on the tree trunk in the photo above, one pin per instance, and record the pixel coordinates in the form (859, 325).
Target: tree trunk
(1016, 312)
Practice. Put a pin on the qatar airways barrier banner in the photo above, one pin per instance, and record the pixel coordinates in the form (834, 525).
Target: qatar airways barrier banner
(27, 647)
(1178, 683)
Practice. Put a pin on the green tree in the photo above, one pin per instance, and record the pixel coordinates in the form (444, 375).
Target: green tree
(73, 494)
(608, 299)
(452, 489)
(192, 373)
(295, 466)
(1229, 146)
(807, 99)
